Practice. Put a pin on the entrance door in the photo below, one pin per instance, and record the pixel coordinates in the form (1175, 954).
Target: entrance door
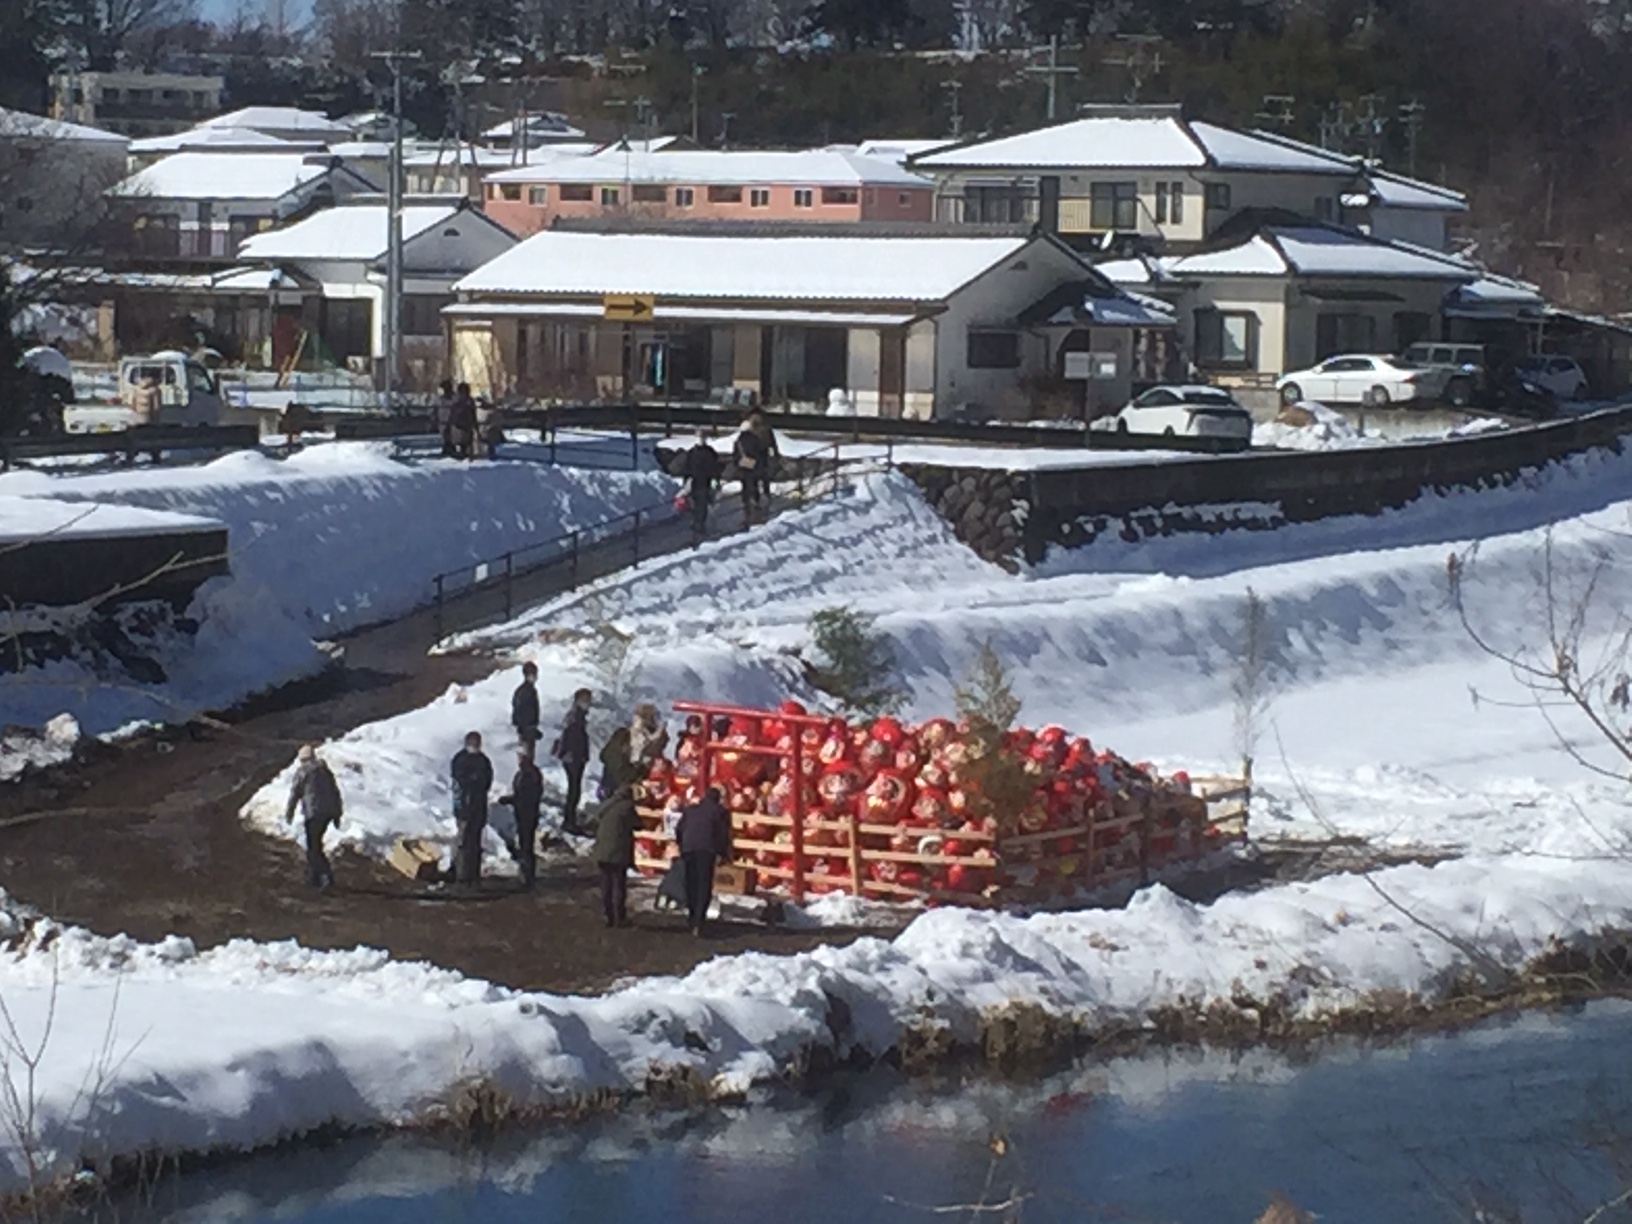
(892, 372)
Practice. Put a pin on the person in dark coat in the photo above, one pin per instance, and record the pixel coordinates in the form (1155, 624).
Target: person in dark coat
(572, 750)
(617, 768)
(701, 468)
(316, 795)
(749, 456)
(525, 798)
(524, 714)
(462, 423)
(616, 822)
(472, 780)
(704, 835)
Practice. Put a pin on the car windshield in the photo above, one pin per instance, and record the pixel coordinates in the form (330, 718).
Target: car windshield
(1202, 395)
(1226, 411)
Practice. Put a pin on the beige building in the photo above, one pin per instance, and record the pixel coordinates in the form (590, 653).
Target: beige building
(908, 325)
(1147, 172)
(135, 104)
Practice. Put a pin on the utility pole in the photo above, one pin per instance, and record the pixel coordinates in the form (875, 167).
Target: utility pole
(725, 128)
(696, 110)
(1412, 114)
(1143, 60)
(1278, 111)
(1371, 124)
(1052, 72)
(393, 207)
(955, 88)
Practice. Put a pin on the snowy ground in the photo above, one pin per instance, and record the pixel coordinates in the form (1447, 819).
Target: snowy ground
(336, 537)
(1372, 732)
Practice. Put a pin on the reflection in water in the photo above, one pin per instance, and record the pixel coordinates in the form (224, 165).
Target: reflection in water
(1517, 1118)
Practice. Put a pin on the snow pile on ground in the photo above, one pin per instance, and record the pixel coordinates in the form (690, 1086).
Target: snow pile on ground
(334, 538)
(341, 535)
(1310, 426)
(23, 748)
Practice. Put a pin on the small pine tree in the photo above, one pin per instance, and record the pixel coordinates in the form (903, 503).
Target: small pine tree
(858, 665)
(987, 707)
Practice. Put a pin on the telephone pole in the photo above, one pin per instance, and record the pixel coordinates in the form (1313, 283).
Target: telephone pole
(1052, 72)
(1412, 114)
(696, 108)
(1279, 111)
(1143, 60)
(393, 208)
(955, 88)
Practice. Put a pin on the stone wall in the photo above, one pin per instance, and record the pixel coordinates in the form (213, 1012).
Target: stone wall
(986, 508)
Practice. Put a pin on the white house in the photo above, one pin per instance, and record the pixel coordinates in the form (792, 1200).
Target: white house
(201, 206)
(337, 257)
(284, 122)
(1148, 172)
(908, 325)
(1276, 293)
(212, 140)
(53, 174)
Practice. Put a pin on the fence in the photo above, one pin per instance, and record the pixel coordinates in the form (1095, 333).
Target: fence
(131, 442)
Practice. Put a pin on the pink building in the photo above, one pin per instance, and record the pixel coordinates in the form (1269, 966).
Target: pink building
(751, 185)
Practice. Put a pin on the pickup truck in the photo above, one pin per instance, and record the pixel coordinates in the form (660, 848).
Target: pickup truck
(188, 395)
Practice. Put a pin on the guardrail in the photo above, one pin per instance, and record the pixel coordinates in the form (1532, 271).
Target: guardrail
(142, 440)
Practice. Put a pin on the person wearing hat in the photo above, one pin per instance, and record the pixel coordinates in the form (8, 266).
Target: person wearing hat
(317, 795)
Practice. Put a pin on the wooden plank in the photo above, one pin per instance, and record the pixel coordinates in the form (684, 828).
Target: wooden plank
(1033, 839)
(937, 860)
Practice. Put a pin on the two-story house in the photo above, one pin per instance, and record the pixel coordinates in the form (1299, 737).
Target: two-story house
(135, 104)
(198, 208)
(807, 185)
(1149, 173)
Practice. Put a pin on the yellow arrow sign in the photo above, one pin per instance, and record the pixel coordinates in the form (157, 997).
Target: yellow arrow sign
(629, 307)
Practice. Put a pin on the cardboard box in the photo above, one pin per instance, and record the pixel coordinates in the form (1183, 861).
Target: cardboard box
(416, 860)
(735, 880)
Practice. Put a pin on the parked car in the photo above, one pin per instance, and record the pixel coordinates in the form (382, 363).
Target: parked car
(1514, 393)
(188, 395)
(1467, 373)
(1183, 411)
(1362, 378)
(1559, 376)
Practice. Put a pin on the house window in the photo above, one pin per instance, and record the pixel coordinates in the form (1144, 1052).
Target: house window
(1227, 339)
(611, 197)
(803, 197)
(1175, 203)
(422, 313)
(649, 193)
(1325, 208)
(1218, 195)
(685, 197)
(577, 193)
(993, 350)
(1349, 332)
(994, 205)
(840, 195)
(510, 191)
(725, 195)
(759, 197)
(1161, 203)
(538, 195)
(1114, 206)
(492, 190)
(904, 199)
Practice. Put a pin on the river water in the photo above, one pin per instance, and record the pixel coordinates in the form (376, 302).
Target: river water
(1528, 1118)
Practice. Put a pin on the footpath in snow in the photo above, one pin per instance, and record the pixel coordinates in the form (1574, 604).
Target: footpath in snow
(1373, 733)
(336, 537)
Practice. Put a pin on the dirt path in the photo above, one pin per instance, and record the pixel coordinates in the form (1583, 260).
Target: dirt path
(145, 839)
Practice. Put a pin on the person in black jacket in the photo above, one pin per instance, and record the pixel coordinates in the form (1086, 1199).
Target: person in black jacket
(317, 796)
(472, 780)
(615, 825)
(704, 835)
(462, 423)
(572, 750)
(524, 715)
(702, 468)
(525, 798)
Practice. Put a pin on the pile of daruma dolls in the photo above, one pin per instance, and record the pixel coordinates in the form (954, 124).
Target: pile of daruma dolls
(894, 811)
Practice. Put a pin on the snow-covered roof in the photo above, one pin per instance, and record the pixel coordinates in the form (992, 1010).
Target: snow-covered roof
(33, 518)
(899, 150)
(351, 232)
(812, 167)
(1126, 271)
(840, 268)
(218, 139)
(1232, 150)
(543, 124)
(494, 159)
(279, 119)
(1493, 295)
(1396, 191)
(223, 176)
(1320, 250)
(14, 124)
(250, 280)
(1093, 142)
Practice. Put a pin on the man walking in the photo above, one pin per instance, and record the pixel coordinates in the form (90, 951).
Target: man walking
(704, 834)
(525, 798)
(524, 715)
(462, 423)
(317, 795)
(701, 467)
(472, 780)
(572, 750)
(615, 827)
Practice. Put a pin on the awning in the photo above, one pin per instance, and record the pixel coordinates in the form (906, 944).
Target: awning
(680, 314)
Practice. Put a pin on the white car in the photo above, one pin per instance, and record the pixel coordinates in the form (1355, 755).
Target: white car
(1361, 378)
(1184, 412)
(1559, 376)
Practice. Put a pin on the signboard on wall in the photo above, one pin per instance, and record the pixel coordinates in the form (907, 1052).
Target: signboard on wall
(1090, 367)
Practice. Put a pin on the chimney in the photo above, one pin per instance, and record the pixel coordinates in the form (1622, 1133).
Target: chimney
(1048, 204)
